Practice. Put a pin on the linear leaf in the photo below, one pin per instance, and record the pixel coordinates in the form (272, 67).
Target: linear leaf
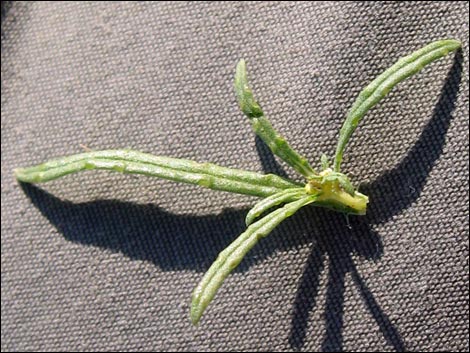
(379, 88)
(181, 170)
(269, 202)
(234, 253)
(263, 128)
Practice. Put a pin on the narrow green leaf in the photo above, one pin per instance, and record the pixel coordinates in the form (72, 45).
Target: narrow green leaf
(248, 105)
(378, 88)
(181, 170)
(346, 185)
(325, 163)
(234, 253)
(269, 202)
(263, 128)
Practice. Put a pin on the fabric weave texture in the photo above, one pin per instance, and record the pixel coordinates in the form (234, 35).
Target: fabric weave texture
(104, 261)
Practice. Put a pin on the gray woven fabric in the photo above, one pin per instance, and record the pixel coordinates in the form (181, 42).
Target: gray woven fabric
(103, 261)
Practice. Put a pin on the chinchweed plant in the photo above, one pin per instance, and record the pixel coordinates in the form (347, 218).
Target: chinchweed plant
(328, 188)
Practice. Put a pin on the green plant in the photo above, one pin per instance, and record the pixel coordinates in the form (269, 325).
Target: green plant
(328, 188)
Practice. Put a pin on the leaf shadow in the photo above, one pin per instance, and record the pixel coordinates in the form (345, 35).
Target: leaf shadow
(397, 190)
(5, 7)
(147, 232)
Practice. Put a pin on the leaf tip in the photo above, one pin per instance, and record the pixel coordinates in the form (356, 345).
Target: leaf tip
(454, 44)
(248, 220)
(248, 105)
(195, 316)
(21, 175)
(197, 308)
(325, 163)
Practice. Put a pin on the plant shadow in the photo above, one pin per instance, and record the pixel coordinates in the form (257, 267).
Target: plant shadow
(397, 190)
(5, 7)
(185, 242)
(147, 232)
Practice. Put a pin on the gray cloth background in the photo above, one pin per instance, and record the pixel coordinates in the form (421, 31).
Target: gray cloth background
(103, 261)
